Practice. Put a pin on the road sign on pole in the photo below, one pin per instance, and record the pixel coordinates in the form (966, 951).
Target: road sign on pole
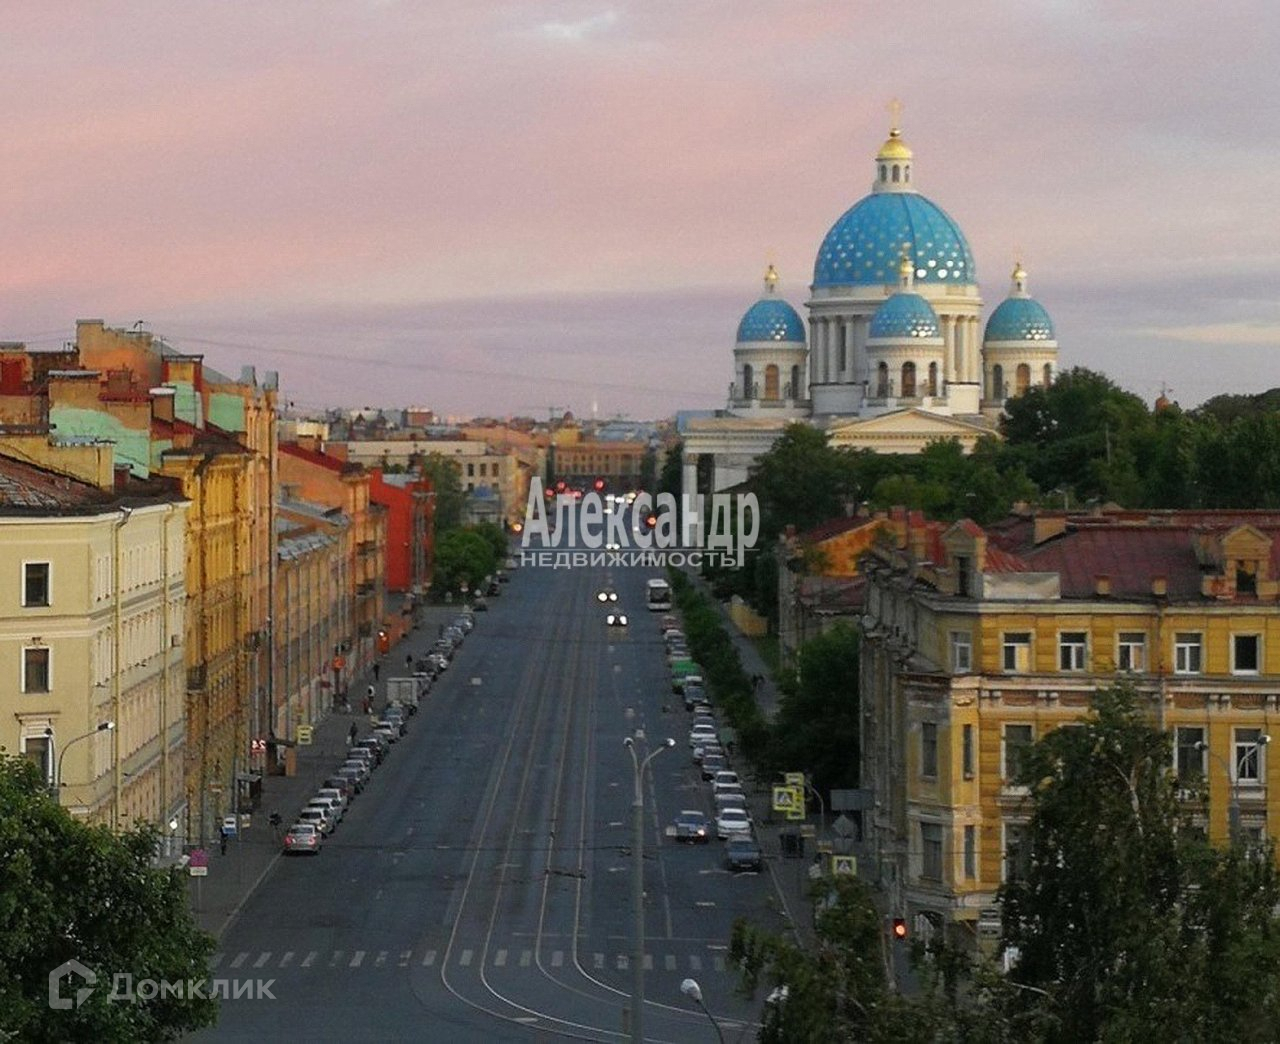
(790, 800)
(304, 735)
(793, 779)
(844, 865)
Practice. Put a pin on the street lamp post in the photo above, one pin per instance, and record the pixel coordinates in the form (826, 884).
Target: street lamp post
(637, 880)
(105, 726)
(693, 991)
(1233, 809)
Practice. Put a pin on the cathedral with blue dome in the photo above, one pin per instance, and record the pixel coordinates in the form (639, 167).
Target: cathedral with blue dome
(893, 354)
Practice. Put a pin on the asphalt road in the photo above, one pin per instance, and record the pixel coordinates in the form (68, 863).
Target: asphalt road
(479, 889)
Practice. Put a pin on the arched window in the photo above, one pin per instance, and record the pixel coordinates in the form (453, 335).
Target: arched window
(882, 381)
(906, 174)
(1048, 374)
(884, 172)
(748, 378)
(1022, 379)
(771, 382)
(997, 382)
(795, 382)
(933, 378)
(897, 172)
(909, 380)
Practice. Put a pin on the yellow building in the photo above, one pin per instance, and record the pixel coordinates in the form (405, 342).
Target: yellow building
(979, 642)
(91, 630)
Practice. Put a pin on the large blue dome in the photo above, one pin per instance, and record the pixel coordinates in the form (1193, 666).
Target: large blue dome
(863, 248)
(771, 319)
(1019, 319)
(905, 314)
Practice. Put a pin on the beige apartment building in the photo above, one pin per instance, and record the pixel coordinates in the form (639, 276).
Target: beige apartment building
(92, 602)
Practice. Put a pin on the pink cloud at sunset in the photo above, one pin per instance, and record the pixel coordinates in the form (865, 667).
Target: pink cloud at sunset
(489, 207)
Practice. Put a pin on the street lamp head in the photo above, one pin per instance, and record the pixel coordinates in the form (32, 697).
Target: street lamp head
(1201, 746)
(669, 742)
(1263, 740)
(106, 726)
(627, 742)
(173, 823)
(692, 990)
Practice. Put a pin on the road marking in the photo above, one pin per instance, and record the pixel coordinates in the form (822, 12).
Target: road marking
(670, 962)
(706, 904)
(648, 962)
(404, 958)
(262, 959)
(309, 959)
(357, 960)
(500, 959)
(616, 823)
(381, 959)
(239, 959)
(623, 962)
(695, 962)
(597, 961)
(429, 958)
(526, 957)
(465, 959)
(528, 1020)
(557, 958)
(337, 956)
(216, 959)
(287, 959)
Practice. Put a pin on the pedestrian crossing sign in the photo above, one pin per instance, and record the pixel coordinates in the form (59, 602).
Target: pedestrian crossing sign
(304, 735)
(844, 866)
(790, 800)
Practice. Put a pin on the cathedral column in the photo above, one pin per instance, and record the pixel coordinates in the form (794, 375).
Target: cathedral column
(949, 354)
(689, 483)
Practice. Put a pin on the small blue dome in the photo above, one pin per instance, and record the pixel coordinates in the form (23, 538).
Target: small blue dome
(905, 315)
(1019, 319)
(863, 248)
(771, 319)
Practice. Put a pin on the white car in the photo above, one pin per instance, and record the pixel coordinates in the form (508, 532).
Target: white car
(725, 780)
(732, 821)
(701, 735)
(318, 818)
(728, 799)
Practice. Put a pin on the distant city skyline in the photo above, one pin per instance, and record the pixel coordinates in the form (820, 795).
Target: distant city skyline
(497, 209)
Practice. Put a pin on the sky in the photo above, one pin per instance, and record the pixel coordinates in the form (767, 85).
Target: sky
(514, 208)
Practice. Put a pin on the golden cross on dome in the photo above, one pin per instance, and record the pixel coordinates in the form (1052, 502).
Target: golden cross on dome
(770, 278)
(895, 117)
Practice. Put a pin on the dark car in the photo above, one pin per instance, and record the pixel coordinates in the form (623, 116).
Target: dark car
(377, 745)
(345, 784)
(692, 826)
(494, 589)
(711, 764)
(743, 853)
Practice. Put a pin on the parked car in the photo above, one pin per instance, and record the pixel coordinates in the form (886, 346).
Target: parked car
(707, 750)
(335, 794)
(364, 756)
(711, 764)
(691, 825)
(480, 605)
(356, 774)
(494, 589)
(318, 818)
(345, 784)
(377, 745)
(742, 852)
(732, 821)
(386, 730)
(727, 798)
(302, 839)
(703, 734)
(725, 780)
(333, 805)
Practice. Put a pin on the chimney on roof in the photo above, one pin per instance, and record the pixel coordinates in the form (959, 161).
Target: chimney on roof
(162, 404)
(121, 477)
(1046, 527)
(1102, 585)
(1159, 586)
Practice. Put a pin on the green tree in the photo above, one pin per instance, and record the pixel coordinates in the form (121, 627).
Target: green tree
(446, 482)
(801, 481)
(495, 537)
(463, 556)
(71, 891)
(816, 728)
(1125, 926)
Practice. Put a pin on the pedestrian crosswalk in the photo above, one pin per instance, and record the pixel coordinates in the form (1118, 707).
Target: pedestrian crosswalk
(592, 961)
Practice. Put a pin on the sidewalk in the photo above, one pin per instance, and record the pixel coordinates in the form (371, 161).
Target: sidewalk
(790, 872)
(217, 898)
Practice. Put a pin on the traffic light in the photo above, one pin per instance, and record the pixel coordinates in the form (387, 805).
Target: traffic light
(899, 928)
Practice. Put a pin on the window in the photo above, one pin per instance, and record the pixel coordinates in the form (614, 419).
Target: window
(933, 378)
(1016, 652)
(771, 382)
(748, 382)
(1017, 741)
(1247, 763)
(471, 471)
(931, 851)
(1187, 653)
(1246, 578)
(39, 751)
(929, 749)
(35, 669)
(1188, 755)
(970, 853)
(1245, 656)
(1017, 851)
(1131, 651)
(961, 652)
(882, 380)
(908, 380)
(1072, 649)
(35, 583)
(966, 750)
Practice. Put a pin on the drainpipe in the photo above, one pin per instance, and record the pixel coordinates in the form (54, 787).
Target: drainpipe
(118, 779)
(164, 672)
